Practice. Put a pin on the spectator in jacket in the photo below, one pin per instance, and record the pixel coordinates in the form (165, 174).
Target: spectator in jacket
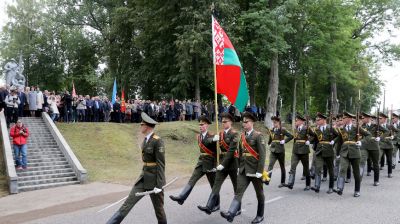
(52, 102)
(12, 102)
(20, 134)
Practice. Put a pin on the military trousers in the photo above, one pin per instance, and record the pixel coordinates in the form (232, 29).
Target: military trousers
(242, 184)
(388, 153)
(319, 166)
(373, 163)
(273, 157)
(156, 199)
(220, 178)
(304, 159)
(198, 173)
(395, 150)
(345, 162)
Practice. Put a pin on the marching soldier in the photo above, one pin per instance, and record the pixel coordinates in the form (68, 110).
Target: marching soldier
(301, 149)
(325, 136)
(276, 144)
(350, 152)
(228, 141)
(338, 125)
(206, 164)
(370, 147)
(386, 145)
(396, 140)
(152, 176)
(251, 166)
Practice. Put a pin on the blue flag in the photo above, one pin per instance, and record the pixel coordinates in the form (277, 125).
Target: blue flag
(114, 93)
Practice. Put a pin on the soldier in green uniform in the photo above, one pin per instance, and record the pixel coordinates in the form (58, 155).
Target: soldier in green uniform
(396, 140)
(251, 166)
(370, 147)
(228, 141)
(338, 125)
(350, 152)
(152, 176)
(276, 144)
(325, 137)
(206, 163)
(386, 137)
(301, 151)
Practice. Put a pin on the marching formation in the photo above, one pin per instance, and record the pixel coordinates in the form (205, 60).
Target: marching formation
(340, 144)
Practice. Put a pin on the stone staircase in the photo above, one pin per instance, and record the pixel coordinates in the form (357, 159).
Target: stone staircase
(47, 165)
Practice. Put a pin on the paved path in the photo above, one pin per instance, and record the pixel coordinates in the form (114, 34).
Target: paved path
(376, 204)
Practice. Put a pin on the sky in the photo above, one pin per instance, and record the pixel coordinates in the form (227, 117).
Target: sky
(390, 75)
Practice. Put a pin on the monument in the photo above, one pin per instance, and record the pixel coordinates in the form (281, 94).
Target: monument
(14, 73)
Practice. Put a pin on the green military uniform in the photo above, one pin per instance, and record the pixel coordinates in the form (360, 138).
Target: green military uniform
(396, 140)
(152, 176)
(205, 165)
(370, 151)
(350, 154)
(386, 146)
(229, 140)
(300, 153)
(278, 150)
(324, 137)
(252, 153)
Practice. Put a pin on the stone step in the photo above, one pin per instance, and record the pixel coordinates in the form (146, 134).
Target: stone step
(43, 168)
(52, 163)
(45, 160)
(39, 156)
(45, 186)
(44, 172)
(46, 181)
(46, 176)
(42, 149)
(43, 152)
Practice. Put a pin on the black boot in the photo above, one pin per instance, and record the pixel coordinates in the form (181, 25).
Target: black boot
(208, 209)
(116, 218)
(290, 181)
(216, 205)
(183, 195)
(233, 209)
(340, 185)
(260, 213)
(317, 184)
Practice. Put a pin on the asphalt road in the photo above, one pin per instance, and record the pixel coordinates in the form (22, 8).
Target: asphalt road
(376, 205)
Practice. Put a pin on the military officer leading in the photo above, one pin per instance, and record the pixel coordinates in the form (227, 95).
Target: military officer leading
(385, 144)
(228, 141)
(206, 164)
(251, 166)
(276, 144)
(152, 176)
(350, 152)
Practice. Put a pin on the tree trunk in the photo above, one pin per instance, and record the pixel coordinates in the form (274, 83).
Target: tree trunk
(335, 103)
(272, 96)
(197, 84)
(294, 101)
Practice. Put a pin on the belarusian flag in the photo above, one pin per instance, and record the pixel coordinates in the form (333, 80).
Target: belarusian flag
(231, 80)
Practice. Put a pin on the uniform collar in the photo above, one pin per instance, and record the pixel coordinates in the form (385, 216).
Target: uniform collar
(204, 134)
(249, 133)
(227, 130)
(148, 136)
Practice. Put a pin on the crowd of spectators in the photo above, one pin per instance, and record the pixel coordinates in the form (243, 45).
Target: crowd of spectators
(64, 107)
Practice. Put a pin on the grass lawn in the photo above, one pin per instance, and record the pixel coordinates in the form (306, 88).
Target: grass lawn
(111, 152)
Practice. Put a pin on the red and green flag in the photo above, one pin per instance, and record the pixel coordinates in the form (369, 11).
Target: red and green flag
(231, 80)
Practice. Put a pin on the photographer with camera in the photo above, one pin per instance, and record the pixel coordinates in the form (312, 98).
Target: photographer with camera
(12, 102)
(20, 134)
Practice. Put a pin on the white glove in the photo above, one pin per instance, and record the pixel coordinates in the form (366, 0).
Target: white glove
(332, 142)
(220, 167)
(377, 139)
(258, 175)
(391, 137)
(282, 142)
(307, 142)
(358, 143)
(338, 157)
(157, 190)
(216, 138)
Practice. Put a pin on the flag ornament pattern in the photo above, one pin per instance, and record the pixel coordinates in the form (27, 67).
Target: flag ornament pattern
(231, 80)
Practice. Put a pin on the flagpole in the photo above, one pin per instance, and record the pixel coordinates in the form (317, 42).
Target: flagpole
(215, 83)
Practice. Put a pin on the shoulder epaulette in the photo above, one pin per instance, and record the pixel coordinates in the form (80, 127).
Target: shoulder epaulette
(156, 137)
